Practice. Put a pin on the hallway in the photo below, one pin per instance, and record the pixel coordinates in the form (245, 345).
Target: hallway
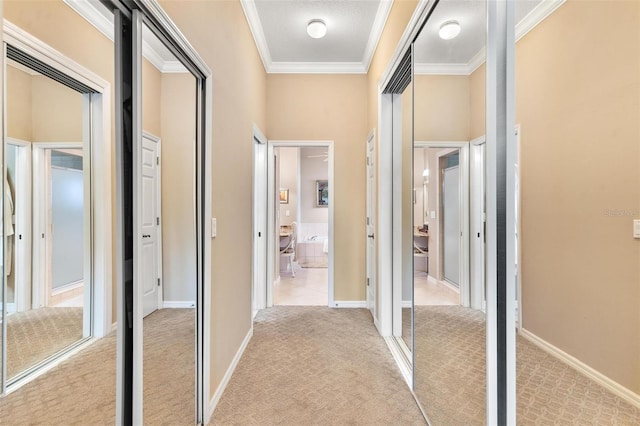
(316, 365)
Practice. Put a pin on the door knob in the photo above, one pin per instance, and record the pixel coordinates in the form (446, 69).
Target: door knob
(371, 235)
(146, 236)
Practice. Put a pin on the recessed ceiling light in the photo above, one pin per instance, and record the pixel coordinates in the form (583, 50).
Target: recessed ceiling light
(449, 30)
(316, 28)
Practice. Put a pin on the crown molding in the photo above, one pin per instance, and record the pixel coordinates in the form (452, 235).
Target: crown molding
(103, 24)
(529, 22)
(255, 25)
(317, 68)
(537, 15)
(384, 8)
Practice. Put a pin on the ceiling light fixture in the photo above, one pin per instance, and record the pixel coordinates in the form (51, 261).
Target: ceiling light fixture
(449, 30)
(316, 28)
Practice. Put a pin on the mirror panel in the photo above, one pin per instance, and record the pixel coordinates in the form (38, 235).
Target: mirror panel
(47, 260)
(167, 220)
(449, 321)
(408, 200)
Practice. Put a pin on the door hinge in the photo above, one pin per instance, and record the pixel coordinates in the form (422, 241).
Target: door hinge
(158, 160)
(158, 282)
(157, 221)
(367, 282)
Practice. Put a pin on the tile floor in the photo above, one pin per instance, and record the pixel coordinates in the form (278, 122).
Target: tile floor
(310, 287)
(430, 293)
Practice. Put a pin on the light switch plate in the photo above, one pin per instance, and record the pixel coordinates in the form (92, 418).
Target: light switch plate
(433, 214)
(214, 227)
(636, 228)
(287, 213)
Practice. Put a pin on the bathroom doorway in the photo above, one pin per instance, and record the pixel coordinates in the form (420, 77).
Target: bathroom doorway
(300, 223)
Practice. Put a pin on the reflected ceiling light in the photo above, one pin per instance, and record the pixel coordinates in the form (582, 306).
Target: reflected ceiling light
(316, 28)
(449, 30)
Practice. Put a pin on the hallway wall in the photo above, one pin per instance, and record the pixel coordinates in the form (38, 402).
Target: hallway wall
(577, 104)
(330, 107)
(219, 32)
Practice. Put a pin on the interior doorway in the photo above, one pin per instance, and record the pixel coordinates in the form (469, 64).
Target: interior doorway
(299, 217)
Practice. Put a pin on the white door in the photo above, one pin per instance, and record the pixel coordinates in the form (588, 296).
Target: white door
(260, 225)
(371, 227)
(150, 218)
(478, 220)
(451, 222)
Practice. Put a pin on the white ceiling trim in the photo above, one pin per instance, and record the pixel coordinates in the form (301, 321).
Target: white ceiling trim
(529, 22)
(384, 8)
(317, 68)
(255, 25)
(103, 24)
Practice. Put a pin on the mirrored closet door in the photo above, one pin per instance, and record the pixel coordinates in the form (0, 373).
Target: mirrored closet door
(47, 284)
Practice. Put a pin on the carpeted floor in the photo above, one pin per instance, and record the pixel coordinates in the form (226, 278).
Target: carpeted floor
(81, 390)
(450, 377)
(37, 334)
(316, 366)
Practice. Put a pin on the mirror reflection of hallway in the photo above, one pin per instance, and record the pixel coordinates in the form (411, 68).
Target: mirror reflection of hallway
(302, 217)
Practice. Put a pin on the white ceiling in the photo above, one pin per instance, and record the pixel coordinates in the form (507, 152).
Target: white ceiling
(279, 28)
(354, 28)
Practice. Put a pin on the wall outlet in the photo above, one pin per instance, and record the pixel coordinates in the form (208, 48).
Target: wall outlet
(287, 213)
(636, 228)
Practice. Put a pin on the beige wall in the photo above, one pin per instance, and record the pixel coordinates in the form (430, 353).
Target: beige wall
(57, 114)
(330, 107)
(442, 107)
(578, 105)
(178, 118)
(18, 104)
(219, 32)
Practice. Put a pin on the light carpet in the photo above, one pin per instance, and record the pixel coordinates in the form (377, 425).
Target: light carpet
(81, 390)
(316, 366)
(34, 335)
(450, 377)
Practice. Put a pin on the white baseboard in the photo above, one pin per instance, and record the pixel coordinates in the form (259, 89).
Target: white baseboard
(227, 376)
(171, 304)
(611, 385)
(431, 279)
(350, 304)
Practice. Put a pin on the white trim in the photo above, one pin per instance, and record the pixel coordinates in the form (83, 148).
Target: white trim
(284, 67)
(255, 25)
(593, 374)
(529, 22)
(260, 217)
(104, 24)
(536, 16)
(178, 304)
(271, 231)
(384, 8)
(350, 304)
(227, 375)
(317, 68)
(401, 360)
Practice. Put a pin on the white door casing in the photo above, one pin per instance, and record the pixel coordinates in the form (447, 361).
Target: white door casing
(259, 221)
(371, 225)
(477, 223)
(451, 224)
(150, 223)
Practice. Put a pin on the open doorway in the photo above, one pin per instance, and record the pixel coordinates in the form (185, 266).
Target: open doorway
(440, 212)
(302, 224)
(299, 224)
